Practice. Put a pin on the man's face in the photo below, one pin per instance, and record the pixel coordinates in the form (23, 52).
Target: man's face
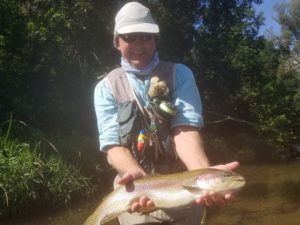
(137, 48)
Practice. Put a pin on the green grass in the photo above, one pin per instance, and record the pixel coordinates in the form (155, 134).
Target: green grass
(31, 178)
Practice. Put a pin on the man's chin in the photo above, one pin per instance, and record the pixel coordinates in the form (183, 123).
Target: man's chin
(138, 64)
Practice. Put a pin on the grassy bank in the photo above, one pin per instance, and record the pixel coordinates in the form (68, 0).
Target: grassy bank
(34, 175)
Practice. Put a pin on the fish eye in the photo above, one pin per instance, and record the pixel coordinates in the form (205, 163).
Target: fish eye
(227, 174)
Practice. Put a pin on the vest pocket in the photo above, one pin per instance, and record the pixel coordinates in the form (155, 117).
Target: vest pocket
(128, 122)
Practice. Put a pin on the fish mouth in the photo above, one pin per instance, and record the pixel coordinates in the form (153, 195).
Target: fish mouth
(240, 179)
(241, 182)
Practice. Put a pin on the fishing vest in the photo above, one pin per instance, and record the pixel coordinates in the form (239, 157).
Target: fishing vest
(145, 132)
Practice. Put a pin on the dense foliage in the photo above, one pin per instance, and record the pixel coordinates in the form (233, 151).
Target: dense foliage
(51, 53)
(274, 97)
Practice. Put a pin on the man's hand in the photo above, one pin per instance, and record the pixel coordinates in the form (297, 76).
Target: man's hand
(212, 198)
(123, 161)
(144, 201)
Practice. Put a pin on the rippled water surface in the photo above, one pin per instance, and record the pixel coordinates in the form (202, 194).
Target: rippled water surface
(270, 197)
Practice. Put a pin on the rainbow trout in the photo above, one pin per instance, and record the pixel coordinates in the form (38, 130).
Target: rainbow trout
(166, 191)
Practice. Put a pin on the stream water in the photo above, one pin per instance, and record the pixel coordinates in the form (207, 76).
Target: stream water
(270, 197)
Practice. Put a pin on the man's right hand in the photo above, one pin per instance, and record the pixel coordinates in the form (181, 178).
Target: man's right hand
(144, 201)
(122, 160)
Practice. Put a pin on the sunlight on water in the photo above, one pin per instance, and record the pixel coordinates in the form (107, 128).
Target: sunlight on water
(270, 197)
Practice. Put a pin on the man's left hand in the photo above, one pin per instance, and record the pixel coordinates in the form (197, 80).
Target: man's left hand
(212, 198)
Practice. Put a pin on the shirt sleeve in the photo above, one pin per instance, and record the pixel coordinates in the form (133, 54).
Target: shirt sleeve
(186, 99)
(106, 113)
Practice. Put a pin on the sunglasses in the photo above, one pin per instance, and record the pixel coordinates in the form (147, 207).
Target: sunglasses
(130, 38)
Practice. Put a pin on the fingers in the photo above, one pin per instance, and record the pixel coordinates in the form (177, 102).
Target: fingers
(229, 166)
(214, 199)
(134, 207)
(125, 179)
(141, 203)
(232, 165)
(229, 197)
(128, 177)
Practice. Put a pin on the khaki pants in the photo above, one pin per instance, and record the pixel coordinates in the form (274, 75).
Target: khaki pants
(185, 216)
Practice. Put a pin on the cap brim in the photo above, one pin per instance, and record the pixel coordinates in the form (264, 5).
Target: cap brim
(139, 28)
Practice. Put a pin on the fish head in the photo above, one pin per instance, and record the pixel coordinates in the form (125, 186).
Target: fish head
(220, 181)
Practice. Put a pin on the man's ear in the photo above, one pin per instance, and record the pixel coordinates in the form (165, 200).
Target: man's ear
(117, 45)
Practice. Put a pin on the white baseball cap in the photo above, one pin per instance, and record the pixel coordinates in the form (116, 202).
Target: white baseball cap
(133, 17)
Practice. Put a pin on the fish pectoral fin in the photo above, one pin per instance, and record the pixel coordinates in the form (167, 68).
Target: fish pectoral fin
(194, 190)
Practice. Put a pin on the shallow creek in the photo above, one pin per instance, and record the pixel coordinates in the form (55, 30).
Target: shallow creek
(270, 197)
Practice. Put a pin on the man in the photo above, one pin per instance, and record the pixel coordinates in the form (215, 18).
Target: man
(136, 35)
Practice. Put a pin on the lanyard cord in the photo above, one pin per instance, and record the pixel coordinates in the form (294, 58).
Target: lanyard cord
(134, 95)
(152, 135)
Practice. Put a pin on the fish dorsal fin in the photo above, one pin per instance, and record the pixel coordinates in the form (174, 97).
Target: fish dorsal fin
(194, 190)
(153, 175)
(149, 176)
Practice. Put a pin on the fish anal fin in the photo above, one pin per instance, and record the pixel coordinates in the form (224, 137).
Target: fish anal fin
(110, 217)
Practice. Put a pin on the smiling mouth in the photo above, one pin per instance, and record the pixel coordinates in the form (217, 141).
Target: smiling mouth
(138, 53)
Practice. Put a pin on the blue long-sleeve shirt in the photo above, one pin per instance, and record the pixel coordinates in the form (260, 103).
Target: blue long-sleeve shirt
(185, 97)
